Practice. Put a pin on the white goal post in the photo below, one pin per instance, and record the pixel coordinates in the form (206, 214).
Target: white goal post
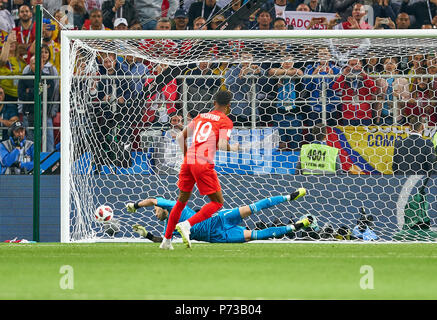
(335, 200)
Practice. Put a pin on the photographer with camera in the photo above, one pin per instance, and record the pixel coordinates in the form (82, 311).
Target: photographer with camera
(16, 153)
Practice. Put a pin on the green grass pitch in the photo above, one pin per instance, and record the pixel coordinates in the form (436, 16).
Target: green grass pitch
(218, 271)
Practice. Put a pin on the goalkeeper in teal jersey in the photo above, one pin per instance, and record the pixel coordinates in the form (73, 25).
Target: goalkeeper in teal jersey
(224, 226)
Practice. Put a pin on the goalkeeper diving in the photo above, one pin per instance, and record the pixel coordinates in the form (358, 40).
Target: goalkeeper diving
(224, 227)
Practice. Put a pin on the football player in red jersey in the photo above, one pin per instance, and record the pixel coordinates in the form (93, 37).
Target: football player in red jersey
(209, 131)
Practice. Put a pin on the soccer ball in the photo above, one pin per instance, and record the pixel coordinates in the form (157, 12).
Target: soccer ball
(104, 213)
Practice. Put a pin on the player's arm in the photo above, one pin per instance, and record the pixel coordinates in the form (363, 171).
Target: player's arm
(181, 139)
(224, 145)
(145, 234)
(223, 141)
(133, 206)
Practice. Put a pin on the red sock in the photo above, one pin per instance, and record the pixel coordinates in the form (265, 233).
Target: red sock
(173, 218)
(206, 212)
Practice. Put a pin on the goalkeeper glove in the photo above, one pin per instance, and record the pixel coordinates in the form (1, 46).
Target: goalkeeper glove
(140, 230)
(131, 207)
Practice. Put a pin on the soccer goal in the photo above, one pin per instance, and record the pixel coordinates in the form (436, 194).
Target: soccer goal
(126, 94)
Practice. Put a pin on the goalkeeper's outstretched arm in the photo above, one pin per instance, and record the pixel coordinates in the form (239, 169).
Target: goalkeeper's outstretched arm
(145, 234)
(134, 206)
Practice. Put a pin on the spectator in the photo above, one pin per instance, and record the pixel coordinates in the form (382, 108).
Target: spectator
(80, 14)
(431, 64)
(133, 95)
(13, 8)
(169, 156)
(52, 6)
(16, 152)
(8, 114)
(355, 20)
(199, 23)
(220, 70)
(135, 25)
(161, 94)
(61, 21)
(52, 95)
(49, 69)
(414, 155)
(201, 91)
(156, 47)
(95, 22)
(422, 104)
(12, 63)
(392, 88)
(149, 11)
(93, 4)
(278, 7)
(26, 93)
(384, 23)
(120, 24)
(279, 24)
(434, 22)
(204, 8)
(113, 9)
(107, 114)
(384, 9)
(7, 22)
(268, 80)
(163, 24)
(216, 21)
(427, 26)
(324, 66)
(373, 64)
(303, 7)
(356, 89)
(132, 66)
(321, 5)
(287, 115)
(235, 5)
(310, 164)
(180, 20)
(54, 47)
(417, 65)
(403, 21)
(239, 79)
(25, 29)
(344, 8)
(264, 20)
(423, 11)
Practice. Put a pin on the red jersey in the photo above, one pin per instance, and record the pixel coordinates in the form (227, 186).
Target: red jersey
(25, 36)
(208, 129)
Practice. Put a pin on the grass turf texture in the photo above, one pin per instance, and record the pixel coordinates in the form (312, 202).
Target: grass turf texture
(218, 271)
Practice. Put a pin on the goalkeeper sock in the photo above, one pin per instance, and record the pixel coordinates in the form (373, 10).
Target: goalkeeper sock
(272, 232)
(173, 218)
(267, 203)
(206, 212)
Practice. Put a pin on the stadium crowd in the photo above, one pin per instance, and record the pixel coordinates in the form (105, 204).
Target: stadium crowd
(278, 97)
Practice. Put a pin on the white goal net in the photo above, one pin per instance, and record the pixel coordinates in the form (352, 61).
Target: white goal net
(125, 96)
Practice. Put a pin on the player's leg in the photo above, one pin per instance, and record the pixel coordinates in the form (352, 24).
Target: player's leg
(276, 232)
(186, 184)
(207, 184)
(204, 213)
(246, 211)
(215, 204)
(176, 212)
